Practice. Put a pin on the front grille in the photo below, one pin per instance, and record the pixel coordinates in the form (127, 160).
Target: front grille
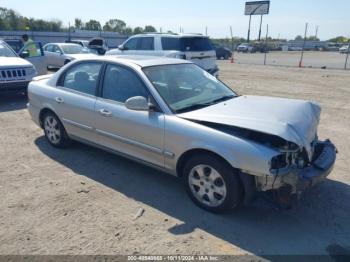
(12, 74)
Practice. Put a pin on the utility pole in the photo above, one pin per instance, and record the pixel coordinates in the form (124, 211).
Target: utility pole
(250, 20)
(261, 18)
(267, 33)
(316, 32)
(206, 31)
(69, 38)
(347, 55)
(232, 47)
(302, 51)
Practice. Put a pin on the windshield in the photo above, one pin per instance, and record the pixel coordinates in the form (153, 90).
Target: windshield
(5, 51)
(186, 87)
(187, 44)
(74, 49)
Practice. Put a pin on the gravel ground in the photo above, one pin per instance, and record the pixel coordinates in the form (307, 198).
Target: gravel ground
(85, 201)
(314, 59)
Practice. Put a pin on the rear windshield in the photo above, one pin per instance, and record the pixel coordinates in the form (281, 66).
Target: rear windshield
(187, 44)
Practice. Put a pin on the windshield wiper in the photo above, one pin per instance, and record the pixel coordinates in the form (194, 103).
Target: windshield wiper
(202, 105)
(222, 99)
(192, 107)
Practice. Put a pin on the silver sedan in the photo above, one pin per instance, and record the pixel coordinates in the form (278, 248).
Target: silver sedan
(59, 54)
(174, 116)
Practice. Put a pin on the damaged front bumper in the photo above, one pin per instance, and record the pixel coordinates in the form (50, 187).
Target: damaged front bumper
(297, 179)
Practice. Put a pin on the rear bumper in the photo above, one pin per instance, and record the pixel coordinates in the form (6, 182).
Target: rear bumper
(13, 87)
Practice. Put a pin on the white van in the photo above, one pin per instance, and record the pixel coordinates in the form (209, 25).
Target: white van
(194, 47)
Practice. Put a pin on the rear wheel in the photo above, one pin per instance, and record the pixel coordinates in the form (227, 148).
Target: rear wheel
(212, 184)
(54, 130)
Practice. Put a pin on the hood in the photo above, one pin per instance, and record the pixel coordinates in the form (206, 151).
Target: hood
(293, 120)
(80, 56)
(14, 62)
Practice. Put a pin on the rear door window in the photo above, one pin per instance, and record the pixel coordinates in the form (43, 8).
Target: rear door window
(171, 43)
(146, 43)
(83, 77)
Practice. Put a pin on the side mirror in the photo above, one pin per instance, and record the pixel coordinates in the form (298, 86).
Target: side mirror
(121, 47)
(24, 54)
(137, 103)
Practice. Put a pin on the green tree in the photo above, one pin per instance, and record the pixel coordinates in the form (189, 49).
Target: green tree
(78, 24)
(339, 39)
(138, 30)
(92, 25)
(114, 25)
(149, 29)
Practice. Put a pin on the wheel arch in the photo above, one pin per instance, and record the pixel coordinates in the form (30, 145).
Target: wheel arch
(247, 181)
(44, 111)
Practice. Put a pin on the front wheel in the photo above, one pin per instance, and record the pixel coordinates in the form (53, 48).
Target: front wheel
(54, 131)
(212, 183)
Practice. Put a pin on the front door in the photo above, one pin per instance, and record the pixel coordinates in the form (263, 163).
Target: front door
(138, 134)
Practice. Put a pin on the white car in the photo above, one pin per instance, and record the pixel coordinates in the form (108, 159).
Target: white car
(59, 54)
(344, 49)
(15, 72)
(193, 47)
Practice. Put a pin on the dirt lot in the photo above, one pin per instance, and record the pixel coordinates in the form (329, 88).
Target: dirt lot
(83, 200)
(314, 59)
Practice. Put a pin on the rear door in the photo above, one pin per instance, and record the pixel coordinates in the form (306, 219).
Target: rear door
(75, 99)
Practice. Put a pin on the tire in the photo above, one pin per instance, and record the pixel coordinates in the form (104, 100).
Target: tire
(54, 131)
(212, 184)
(226, 57)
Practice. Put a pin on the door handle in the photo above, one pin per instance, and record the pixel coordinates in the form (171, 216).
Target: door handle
(105, 112)
(59, 100)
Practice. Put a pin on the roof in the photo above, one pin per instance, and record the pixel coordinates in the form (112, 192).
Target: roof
(143, 61)
(170, 35)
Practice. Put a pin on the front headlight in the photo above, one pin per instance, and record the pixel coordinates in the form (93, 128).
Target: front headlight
(31, 71)
(180, 56)
(279, 161)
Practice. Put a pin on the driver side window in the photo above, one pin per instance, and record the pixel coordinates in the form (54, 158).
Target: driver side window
(131, 44)
(120, 84)
(56, 49)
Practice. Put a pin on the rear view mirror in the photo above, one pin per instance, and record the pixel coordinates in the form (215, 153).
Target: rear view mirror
(137, 103)
(24, 54)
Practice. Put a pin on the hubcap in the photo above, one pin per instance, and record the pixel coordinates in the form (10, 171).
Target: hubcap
(207, 185)
(52, 129)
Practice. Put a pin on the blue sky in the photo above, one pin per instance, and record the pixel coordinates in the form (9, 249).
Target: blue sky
(287, 18)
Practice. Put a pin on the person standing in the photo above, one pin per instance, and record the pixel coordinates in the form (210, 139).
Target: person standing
(29, 46)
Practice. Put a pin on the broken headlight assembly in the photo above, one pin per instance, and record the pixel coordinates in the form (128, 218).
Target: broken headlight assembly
(290, 156)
